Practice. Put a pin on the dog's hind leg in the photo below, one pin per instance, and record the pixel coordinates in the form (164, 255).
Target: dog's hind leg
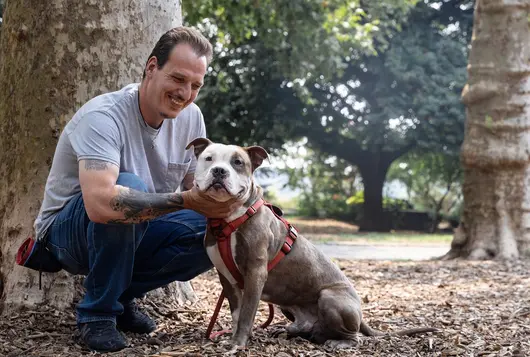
(295, 329)
(287, 314)
(339, 318)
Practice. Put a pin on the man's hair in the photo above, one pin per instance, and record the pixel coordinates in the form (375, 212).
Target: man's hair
(182, 34)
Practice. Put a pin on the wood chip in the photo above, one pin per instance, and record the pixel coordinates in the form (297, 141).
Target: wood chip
(481, 308)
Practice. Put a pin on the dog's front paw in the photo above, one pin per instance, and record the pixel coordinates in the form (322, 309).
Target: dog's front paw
(240, 340)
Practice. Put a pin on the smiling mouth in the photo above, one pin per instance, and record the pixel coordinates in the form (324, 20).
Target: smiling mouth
(175, 102)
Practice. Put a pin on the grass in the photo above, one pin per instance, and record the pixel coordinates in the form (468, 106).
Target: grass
(330, 230)
(382, 238)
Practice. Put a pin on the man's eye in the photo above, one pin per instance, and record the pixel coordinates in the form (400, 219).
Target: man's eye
(208, 158)
(238, 162)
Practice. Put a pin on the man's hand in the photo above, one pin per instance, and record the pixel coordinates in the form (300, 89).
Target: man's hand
(203, 204)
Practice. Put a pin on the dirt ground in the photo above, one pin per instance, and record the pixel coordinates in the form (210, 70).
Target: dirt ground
(482, 309)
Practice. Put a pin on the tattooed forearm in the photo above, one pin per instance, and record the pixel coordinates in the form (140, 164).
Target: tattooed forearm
(96, 165)
(138, 206)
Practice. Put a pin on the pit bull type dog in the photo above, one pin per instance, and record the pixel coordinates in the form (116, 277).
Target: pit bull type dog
(311, 291)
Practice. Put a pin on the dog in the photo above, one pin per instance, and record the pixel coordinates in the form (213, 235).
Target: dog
(311, 291)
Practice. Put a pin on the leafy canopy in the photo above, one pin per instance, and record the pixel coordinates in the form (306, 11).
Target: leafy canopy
(266, 88)
(305, 37)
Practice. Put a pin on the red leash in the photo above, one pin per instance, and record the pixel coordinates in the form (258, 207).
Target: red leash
(209, 330)
(223, 230)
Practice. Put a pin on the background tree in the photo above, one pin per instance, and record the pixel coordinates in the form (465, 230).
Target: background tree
(405, 97)
(495, 218)
(370, 112)
(53, 57)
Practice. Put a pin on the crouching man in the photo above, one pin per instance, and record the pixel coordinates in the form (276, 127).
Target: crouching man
(119, 204)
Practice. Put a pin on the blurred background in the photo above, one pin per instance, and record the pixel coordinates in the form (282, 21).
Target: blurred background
(357, 101)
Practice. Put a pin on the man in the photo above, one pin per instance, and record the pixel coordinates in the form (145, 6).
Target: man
(119, 204)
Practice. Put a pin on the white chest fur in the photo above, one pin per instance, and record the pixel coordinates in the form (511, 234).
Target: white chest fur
(217, 260)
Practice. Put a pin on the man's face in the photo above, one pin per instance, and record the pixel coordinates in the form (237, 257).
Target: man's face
(176, 85)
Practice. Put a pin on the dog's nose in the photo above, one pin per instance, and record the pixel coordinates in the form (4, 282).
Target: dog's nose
(219, 172)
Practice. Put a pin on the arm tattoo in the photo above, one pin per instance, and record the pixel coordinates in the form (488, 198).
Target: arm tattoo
(96, 165)
(138, 206)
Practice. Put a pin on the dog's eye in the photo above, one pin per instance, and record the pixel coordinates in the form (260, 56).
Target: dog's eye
(208, 158)
(238, 162)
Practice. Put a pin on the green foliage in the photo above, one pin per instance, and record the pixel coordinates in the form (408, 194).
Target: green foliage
(365, 86)
(325, 185)
(408, 94)
(388, 202)
(303, 36)
(433, 181)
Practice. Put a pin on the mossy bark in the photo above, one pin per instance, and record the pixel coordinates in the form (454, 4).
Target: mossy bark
(54, 56)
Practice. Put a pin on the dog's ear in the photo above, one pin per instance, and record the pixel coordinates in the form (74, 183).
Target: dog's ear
(257, 155)
(199, 145)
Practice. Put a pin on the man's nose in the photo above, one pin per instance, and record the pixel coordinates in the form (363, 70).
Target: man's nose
(219, 172)
(184, 92)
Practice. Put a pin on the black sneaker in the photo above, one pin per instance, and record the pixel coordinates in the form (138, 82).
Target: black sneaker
(102, 336)
(134, 320)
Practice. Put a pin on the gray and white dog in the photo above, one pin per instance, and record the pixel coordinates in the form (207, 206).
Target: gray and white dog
(311, 291)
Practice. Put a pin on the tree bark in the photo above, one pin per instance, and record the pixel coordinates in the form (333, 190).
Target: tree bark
(495, 222)
(54, 56)
(373, 172)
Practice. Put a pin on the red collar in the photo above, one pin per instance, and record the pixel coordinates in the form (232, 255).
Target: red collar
(222, 229)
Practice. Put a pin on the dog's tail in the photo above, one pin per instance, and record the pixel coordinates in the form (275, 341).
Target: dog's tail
(368, 331)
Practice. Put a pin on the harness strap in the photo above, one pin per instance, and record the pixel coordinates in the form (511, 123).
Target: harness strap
(223, 230)
(225, 249)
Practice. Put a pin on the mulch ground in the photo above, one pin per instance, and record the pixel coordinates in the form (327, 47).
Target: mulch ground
(482, 308)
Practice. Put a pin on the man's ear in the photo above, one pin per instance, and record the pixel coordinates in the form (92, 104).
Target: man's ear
(150, 66)
(199, 145)
(257, 154)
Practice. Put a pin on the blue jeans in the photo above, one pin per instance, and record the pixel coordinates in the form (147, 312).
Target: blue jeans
(124, 261)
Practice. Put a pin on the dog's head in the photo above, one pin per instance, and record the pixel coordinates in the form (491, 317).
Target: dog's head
(225, 172)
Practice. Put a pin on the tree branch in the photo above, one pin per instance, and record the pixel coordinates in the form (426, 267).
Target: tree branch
(390, 156)
(334, 144)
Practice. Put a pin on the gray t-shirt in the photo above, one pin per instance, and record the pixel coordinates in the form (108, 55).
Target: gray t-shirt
(110, 127)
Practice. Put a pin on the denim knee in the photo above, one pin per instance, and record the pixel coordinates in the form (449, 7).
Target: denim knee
(133, 181)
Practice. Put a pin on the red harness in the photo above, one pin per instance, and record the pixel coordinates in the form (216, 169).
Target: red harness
(223, 230)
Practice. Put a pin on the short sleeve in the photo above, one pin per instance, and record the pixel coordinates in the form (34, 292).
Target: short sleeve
(201, 133)
(97, 137)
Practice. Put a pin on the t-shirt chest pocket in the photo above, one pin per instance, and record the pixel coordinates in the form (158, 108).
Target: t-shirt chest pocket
(175, 174)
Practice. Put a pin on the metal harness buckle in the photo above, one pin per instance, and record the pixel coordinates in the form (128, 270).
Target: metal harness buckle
(293, 233)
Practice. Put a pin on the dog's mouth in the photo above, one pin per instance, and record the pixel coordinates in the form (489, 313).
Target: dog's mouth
(218, 185)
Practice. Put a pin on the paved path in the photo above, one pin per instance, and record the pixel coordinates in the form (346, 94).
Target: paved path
(383, 252)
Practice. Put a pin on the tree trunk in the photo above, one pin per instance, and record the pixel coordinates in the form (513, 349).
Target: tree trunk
(373, 174)
(54, 56)
(495, 221)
